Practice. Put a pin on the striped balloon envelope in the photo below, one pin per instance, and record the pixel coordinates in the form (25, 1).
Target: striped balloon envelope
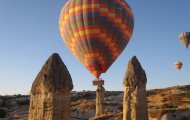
(184, 38)
(96, 31)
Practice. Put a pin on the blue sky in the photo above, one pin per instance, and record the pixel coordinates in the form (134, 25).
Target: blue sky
(29, 34)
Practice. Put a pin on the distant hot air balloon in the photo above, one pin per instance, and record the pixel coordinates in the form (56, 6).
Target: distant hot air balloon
(178, 65)
(184, 38)
(96, 31)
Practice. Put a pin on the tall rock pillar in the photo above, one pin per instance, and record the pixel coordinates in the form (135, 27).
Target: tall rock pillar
(50, 92)
(135, 99)
(100, 100)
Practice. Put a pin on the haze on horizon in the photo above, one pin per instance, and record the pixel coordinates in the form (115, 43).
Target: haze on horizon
(29, 34)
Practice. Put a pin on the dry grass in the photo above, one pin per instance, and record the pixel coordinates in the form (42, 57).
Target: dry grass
(120, 116)
(160, 101)
(155, 100)
(155, 114)
(168, 99)
(87, 105)
(102, 117)
(159, 112)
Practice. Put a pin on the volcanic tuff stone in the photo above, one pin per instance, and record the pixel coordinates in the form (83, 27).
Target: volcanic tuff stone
(54, 76)
(135, 75)
(135, 99)
(100, 92)
(50, 93)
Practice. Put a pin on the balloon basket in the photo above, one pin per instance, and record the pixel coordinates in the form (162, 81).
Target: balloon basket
(98, 82)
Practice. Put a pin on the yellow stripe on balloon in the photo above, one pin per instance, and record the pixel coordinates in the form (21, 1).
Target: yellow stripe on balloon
(93, 31)
(83, 8)
(66, 17)
(108, 40)
(109, 43)
(111, 15)
(95, 5)
(118, 20)
(102, 35)
(104, 10)
(88, 56)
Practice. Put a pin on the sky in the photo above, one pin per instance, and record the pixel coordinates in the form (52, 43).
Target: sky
(29, 34)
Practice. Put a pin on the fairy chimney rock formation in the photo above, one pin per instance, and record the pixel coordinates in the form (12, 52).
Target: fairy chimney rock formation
(50, 92)
(100, 100)
(135, 99)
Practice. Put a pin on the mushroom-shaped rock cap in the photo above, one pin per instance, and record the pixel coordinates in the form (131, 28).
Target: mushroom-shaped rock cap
(135, 74)
(53, 77)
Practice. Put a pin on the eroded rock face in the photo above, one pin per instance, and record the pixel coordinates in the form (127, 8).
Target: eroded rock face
(177, 115)
(50, 93)
(53, 76)
(135, 99)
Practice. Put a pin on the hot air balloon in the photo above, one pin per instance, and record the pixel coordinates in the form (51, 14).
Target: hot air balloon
(96, 31)
(184, 38)
(178, 65)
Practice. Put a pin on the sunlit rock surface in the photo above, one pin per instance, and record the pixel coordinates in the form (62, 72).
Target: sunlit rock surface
(135, 99)
(50, 93)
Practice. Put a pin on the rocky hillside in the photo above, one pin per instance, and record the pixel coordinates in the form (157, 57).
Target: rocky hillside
(171, 103)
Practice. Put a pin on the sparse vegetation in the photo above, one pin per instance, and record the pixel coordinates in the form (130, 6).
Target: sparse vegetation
(168, 100)
(160, 101)
(103, 117)
(87, 105)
